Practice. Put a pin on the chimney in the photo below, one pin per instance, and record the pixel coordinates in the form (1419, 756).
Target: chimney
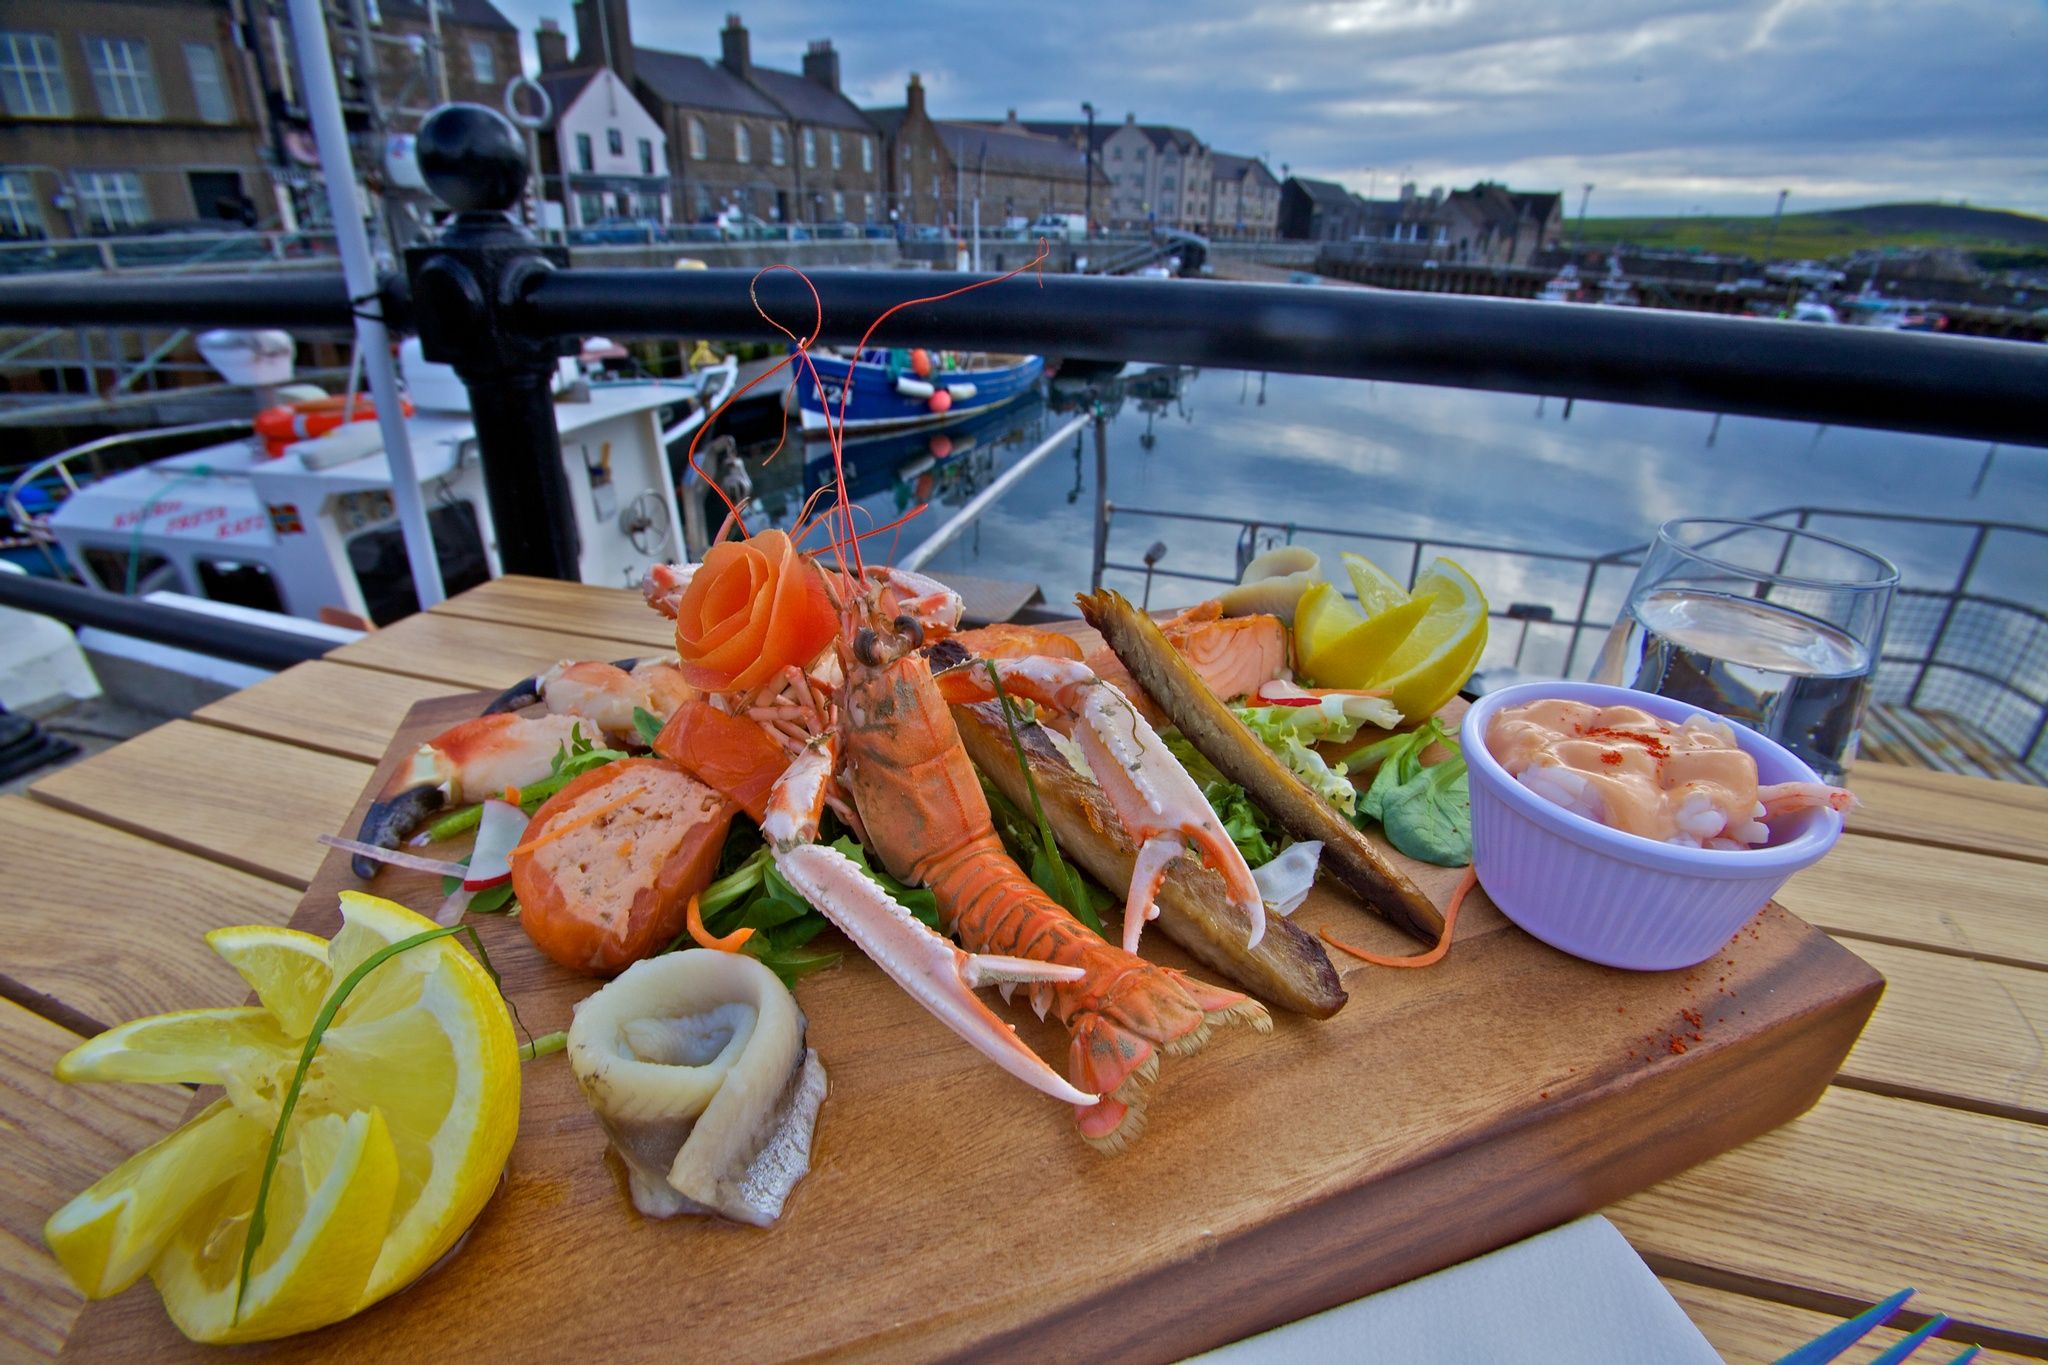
(552, 44)
(913, 98)
(734, 52)
(1130, 120)
(821, 64)
(1012, 120)
(604, 37)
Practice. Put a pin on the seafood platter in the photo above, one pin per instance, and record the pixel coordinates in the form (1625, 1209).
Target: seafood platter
(849, 983)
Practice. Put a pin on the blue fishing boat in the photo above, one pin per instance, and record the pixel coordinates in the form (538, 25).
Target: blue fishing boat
(891, 388)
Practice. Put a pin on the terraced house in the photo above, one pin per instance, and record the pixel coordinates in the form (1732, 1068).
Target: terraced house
(1244, 199)
(775, 145)
(941, 170)
(123, 114)
(1159, 176)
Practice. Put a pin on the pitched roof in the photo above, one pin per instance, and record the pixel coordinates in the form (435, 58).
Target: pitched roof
(1010, 151)
(1376, 210)
(809, 102)
(1074, 132)
(1230, 166)
(1539, 205)
(1323, 193)
(563, 87)
(1165, 135)
(474, 13)
(887, 120)
(693, 83)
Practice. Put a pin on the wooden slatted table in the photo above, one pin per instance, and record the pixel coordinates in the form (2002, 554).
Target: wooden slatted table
(1925, 1164)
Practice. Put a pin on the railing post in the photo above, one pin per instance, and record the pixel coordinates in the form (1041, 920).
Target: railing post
(468, 292)
(1101, 424)
(1948, 615)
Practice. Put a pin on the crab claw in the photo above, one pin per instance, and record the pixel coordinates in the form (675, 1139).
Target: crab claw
(936, 973)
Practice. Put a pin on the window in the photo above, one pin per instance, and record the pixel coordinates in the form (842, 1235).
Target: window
(934, 151)
(483, 62)
(867, 208)
(649, 207)
(935, 187)
(778, 146)
(123, 78)
(906, 183)
(837, 161)
(615, 141)
(209, 92)
(1116, 154)
(839, 206)
(867, 155)
(111, 199)
(20, 214)
(700, 145)
(810, 146)
(742, 143)
(701, 197)
(646, 157)
(585, 161)
(589, 208)
(32, 77)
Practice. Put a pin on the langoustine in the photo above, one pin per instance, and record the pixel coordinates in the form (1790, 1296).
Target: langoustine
(696, 1066)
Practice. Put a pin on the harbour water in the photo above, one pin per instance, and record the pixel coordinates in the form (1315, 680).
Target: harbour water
(1411, 463)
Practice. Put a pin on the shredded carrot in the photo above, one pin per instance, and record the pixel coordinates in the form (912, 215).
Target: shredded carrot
(511, 794)
(588, 817)
(1443, 945)
(729, 944)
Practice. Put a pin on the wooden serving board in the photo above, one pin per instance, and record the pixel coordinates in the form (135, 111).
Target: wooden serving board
(952, 1212)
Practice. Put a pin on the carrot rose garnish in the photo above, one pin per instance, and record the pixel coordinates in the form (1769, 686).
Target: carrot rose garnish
(753, 607)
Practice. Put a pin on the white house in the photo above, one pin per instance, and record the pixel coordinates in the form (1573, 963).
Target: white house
(603, 156)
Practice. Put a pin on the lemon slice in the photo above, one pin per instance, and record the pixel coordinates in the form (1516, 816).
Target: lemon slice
(402, 1126)
(1429, 667)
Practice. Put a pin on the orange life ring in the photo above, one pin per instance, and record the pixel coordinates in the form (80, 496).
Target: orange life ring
(289, 422)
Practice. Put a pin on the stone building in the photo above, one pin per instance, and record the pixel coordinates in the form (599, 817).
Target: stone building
(602, 155)
(1244, 199)
(917, 163)
(775, 145)
(1159, 176)
(126, 113)
(1017, 172)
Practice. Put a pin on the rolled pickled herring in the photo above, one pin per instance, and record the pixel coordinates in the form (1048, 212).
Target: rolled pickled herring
(695, 1065)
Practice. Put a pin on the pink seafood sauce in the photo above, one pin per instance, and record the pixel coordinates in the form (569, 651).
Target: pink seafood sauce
(1620, 765)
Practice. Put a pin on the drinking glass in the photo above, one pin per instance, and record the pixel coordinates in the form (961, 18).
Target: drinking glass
(1775, 627)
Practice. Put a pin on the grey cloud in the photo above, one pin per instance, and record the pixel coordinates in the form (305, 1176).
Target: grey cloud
(1663, 105)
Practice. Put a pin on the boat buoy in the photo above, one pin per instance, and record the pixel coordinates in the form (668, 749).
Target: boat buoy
(921, 362)
(941, 401)
(941, 445)
(913, 388)
(961, 392)
(305, 420)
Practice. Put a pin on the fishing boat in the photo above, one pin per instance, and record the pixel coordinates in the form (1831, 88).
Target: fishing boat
(309, 527)
(1563, 287)
(883, 388)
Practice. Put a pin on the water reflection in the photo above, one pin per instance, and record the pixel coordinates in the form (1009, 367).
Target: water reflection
(1410, 463)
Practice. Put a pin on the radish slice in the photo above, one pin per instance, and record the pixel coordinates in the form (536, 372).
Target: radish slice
(498, 832)
(1284, 882)
(394, 857)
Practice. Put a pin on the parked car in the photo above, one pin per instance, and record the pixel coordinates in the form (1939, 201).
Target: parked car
(1059, 227)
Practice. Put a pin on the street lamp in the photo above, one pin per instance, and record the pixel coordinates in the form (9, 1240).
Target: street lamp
(1585, 193)
(1771, 246)
(1088, 171)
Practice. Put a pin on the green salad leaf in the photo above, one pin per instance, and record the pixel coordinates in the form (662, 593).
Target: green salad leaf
(573, 759)
(1426, 811)
(1289, 731)
(647, 725)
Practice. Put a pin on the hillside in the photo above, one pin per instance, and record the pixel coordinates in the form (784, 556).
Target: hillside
(1836, 232)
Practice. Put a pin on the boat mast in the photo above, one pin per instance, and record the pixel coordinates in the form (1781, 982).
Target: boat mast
(373, 343)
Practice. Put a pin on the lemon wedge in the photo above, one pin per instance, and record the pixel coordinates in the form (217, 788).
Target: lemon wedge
(1340, 648)
(402, 1126)
(1432, 663)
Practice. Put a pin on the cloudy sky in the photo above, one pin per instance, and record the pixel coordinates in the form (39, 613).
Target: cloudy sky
(1665, 108)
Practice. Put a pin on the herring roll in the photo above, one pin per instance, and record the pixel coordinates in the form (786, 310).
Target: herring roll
(696, 1067)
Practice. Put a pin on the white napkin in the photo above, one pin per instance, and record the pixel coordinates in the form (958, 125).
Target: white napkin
(1576, 1295)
